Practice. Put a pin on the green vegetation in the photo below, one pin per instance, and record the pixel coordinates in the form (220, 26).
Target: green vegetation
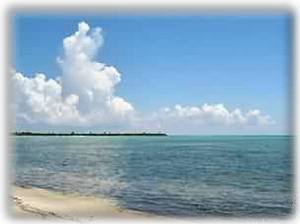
(87, 134)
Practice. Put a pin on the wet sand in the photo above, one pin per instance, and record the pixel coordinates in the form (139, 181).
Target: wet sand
(41, 203)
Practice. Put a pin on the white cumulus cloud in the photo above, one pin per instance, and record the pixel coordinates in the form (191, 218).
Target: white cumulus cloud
(84, 95)
(40, 100)
(208, 118)
(214, 114)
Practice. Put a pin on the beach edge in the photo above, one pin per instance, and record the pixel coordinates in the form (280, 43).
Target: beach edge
(35, 203)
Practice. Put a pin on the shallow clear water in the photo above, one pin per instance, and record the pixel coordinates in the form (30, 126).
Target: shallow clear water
(174, 175)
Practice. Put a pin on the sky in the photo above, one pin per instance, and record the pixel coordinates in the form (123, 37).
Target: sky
(185, 74)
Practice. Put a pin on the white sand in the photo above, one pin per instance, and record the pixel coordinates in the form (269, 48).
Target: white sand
(40, 203)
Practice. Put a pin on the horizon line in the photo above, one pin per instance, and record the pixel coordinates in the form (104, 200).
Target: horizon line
(144, 132)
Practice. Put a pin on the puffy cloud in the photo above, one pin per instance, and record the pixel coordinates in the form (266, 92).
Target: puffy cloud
(215, 114)
(92, 81)
(39, 100)
(84, 94)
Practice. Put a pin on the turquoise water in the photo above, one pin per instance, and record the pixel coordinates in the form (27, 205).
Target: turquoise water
(176, 175)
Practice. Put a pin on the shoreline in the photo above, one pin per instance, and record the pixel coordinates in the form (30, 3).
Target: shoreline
(89, 134)
(31, 202)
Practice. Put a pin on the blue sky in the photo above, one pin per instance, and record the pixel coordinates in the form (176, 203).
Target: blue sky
(239, 61)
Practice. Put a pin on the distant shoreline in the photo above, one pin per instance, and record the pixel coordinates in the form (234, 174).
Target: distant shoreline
(87, 134)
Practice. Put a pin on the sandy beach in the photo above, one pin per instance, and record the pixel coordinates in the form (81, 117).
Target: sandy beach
(41, 203)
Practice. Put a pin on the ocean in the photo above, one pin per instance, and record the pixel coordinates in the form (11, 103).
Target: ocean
(186, 176)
